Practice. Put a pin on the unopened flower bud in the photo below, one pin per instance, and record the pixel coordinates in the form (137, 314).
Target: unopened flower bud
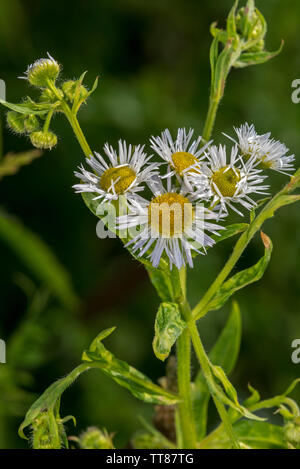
(31, 124)
(70, 88)
(47, 95)
(43, 140)
(292, 433)
(94, 438)
(251, 26)
(15, 122)
(41, 71)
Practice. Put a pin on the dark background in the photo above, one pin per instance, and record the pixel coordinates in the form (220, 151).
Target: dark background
(152, 58)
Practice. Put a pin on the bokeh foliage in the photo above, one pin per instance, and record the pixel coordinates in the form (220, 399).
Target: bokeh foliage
(152, 58)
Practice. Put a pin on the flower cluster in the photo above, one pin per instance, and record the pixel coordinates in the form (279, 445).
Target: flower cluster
(200, 185)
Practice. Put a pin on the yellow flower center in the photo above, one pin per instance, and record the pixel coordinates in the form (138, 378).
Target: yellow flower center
(121, 177)
(182, 160)
(226, 180)
(170, 214)
(265, 164)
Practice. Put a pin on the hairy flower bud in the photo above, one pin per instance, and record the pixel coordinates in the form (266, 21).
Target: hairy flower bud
(292, 433)
(15, 122)
(70, 88)
(41, 71)
(94, 438)
(43, 140)
(48, 96)
(251, 26)
(31, 123)
(43, 436)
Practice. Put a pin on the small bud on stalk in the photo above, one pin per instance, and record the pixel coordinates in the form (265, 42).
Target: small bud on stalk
(15, 122)
(71, 91)
(43, 140)
(94, 438)
(41, 71)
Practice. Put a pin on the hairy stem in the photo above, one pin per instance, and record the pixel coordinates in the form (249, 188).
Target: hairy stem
(77, 130)
(210, 118)
(186, 417)
(185, 408)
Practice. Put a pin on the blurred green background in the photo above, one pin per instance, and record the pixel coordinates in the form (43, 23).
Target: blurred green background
(152, 58)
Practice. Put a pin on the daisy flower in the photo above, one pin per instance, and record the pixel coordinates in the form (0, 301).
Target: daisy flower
(270, 153)
(124, 174)
(182, 155)
(171, 225)
(231, 182)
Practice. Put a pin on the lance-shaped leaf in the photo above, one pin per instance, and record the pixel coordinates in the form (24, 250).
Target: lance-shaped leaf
(168, 327)
(98, 357)
(25, 108)
(224, 353)
(256, 58)
(50, 399)
(255, 435)
(244, 278)
(125, 375)
(231, 21)
(38, 258)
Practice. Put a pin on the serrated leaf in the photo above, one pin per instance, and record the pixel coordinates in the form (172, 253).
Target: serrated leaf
(243, 278)
(125, 375)
(224, 353)
(168, 327)
(38, 258)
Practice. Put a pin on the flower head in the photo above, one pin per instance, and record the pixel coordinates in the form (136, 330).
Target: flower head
(41, 71)
(182, 155)
(231, 182)
(270, 153)
(124, 174)
(172, 225)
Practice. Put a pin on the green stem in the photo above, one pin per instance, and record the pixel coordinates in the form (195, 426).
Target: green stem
(185, 408)
(71, 116)
(210, 118)
(48, 120)
(186, 417)
(267, 212)
(77, 130)
(205, 366)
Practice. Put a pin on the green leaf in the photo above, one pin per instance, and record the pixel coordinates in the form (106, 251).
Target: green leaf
(125, 375)
(38, 258)
(256, 435)
(25, 108)
(48, 401)
(224, 353)
(98, 357)
(231, 230)
(243, 278)
(256, 58)
(231, 24)
(168, 327)
(162, 283)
